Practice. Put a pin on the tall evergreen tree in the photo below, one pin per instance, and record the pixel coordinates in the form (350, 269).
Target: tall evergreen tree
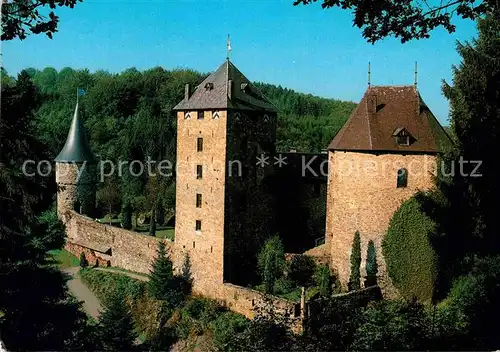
(116, 325)
(127, 215)
(354, 279)
(37, 311)
(161, 274)
(475, 110)
(152, 223)
(371, 265)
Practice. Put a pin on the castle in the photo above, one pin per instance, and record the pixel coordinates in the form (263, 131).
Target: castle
(230, 198)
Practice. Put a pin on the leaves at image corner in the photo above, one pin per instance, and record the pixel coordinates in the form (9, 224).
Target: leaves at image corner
(21, 18)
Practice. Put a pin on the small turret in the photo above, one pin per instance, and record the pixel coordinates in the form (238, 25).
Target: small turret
(75, 170)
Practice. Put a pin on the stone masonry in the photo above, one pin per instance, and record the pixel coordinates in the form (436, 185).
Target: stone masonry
(362, 196)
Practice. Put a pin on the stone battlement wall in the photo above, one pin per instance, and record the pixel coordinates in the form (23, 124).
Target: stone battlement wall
(128, 250)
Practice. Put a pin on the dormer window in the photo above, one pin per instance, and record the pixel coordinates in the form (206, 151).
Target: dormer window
(244, 86)
(403, 137)
(209, 86)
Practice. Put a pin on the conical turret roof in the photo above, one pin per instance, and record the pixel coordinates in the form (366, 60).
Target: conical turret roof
(77, 148)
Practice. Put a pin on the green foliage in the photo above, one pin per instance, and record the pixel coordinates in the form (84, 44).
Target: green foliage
(21, 17)
(83, 261)
(163, 284)
(371, 265)
(127, 215)
(355, 276)
(37, 310)
(186, 269)
(226, 330)
(323, 279)
(152, 223)
(116, 326)
(271, 262)
(161, 274)
(408, 251)
(301, 270)
(406, 20)
(393, 325)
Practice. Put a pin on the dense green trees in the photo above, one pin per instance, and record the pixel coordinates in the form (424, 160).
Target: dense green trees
(36, 310)
(371, 265)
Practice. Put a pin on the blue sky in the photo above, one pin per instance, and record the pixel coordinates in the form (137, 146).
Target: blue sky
(304, 48)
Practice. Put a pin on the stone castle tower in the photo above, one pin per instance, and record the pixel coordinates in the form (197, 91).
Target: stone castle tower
(222, 208)
(386, 151)
(75, 170)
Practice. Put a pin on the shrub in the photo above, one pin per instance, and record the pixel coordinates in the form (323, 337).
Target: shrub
(410, 257)
(371, 265)
(324, 280)
(227, 329)
(302, 270)
(271, 261)
(83, 261)
(354, 279)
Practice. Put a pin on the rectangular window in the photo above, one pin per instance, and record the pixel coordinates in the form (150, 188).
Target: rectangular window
(199, 171)
(201, 115)
(199, 145)
(198, 225)
(198, 200)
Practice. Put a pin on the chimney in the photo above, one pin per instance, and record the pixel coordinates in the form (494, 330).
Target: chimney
(186, 92)
(229, 88)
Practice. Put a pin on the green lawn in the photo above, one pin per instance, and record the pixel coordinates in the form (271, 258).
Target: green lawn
(161, 231)
(64, 259)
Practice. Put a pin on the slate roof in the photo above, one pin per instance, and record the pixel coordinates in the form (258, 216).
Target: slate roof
(77, 148)
(243, 96)
(383, 110)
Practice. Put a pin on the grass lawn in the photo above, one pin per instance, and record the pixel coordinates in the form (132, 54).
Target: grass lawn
(64, 259)
(161, 231)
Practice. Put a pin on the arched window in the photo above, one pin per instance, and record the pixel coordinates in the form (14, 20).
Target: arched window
(402, 178)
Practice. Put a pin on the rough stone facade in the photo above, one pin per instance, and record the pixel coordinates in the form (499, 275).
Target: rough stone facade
(362, 196)
(75, 187)
(121, 248)
(205, 247)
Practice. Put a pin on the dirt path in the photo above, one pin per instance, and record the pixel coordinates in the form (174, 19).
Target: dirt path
(91, 304)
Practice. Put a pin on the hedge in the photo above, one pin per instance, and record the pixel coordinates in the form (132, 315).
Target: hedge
(411, 260)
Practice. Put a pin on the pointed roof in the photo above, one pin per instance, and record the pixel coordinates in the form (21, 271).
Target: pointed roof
(383, 110)
(215, 92)
(77, 148)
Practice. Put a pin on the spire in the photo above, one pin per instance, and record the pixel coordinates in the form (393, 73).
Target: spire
(77, 148)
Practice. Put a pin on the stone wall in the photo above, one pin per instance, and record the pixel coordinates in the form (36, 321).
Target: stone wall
(362, 196)
(76, 190)
(128, 250)
(93, 257)
(204, 247)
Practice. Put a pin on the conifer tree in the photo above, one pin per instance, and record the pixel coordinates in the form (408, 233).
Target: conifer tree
(323, 280)
(152, 223)
(186, 268)
(475, 110)
(127, 215)
(161, 274)
(354, 279)
(116, 325)
(371, 265)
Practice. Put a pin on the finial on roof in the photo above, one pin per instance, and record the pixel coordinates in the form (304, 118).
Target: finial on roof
(369, 74)
(76, 149)
(416, 74)
(228, 46)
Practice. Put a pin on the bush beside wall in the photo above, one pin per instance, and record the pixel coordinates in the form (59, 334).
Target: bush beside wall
(407, 248)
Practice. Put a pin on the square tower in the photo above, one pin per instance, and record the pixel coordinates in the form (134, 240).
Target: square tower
(384, 154)
(221, 128)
